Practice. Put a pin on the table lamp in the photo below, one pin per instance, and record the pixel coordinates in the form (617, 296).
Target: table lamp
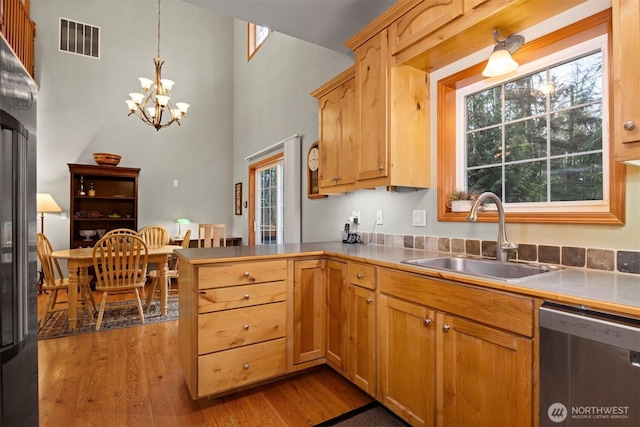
(180, 222)
(45, 204)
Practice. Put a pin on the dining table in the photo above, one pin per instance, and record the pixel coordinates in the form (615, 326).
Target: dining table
(80, 259)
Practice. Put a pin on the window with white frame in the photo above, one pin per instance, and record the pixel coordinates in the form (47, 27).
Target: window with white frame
(539, 139)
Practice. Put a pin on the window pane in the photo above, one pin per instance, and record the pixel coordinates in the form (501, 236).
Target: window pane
(487, 179)
(577, 82)
(483, 109)
(577, 178)
(484, 147)
(577, 130)
(526, 182)
(526, 139)
(525, 97)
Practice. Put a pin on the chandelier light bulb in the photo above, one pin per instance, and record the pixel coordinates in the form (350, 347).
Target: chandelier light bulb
(151, 111)
(163, 100)
(182, 107)
(132, 105)
(136, 97)
(167, 85)
(145, 83)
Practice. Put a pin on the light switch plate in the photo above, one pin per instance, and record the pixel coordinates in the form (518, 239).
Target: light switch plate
(419, 218)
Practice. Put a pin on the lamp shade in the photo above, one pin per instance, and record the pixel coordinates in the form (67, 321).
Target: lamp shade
(500, 63)
(45, 203)
(183, 221)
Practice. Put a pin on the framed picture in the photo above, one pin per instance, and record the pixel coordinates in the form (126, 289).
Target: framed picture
(238, 198)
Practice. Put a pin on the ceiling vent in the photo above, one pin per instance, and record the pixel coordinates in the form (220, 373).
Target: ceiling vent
(79, 38)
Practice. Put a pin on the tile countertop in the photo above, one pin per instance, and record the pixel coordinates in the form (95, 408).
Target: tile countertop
(618, 292)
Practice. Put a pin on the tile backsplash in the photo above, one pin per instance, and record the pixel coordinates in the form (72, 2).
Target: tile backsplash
(571, 256)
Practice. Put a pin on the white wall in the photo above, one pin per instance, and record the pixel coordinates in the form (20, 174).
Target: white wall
(81, 107)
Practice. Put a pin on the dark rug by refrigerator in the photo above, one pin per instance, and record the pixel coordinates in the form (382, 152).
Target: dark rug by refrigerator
(58, 324)
(370, 415)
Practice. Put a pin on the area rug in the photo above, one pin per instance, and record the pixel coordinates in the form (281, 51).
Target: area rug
(370, 415)
(58, 324)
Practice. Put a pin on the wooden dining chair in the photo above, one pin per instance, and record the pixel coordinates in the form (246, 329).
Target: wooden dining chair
(212, 235)
(127, 231)
(120, 262)
(172, 273)
(54, 281)
(155, 235)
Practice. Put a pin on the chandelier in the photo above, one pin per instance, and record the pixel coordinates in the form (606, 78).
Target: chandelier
(154, 104)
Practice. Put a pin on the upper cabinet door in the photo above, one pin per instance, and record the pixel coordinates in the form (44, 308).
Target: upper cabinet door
(372, 81)
(626, 56)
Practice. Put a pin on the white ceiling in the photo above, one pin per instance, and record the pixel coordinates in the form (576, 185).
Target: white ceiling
(327, 23)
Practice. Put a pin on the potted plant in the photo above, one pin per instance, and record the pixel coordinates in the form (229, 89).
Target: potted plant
(461, 200)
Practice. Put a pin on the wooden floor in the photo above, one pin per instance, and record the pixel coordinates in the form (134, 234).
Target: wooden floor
(132, 377)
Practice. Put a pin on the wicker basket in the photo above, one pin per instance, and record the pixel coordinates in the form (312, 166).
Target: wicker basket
(107, 159)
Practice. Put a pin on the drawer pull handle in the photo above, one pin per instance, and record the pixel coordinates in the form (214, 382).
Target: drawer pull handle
(245, 327)
(369, 300)
(246, 296)
(246, 274)
(359, 275)
(446, 328)
(246, 366)
(427, 321)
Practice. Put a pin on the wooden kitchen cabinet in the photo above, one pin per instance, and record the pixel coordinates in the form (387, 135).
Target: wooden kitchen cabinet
(476, 358)
(361, 327)
(393, 113)
(309, 311)
(336, 279)
(337, 126)
(625, 56)
(461, 341)
(114, 204)
(232, 325)
(407, 348)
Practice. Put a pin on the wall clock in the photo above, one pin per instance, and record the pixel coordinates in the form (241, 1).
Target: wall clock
(313, 173)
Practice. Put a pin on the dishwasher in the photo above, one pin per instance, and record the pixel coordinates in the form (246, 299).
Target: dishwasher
(589, 368)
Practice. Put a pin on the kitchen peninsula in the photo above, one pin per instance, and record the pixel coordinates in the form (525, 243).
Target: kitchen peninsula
(409, 336)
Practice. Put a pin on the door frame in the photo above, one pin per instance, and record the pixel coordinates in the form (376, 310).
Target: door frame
(252, 193)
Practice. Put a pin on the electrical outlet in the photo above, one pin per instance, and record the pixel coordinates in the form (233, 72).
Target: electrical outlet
(356, 217)
(419, 218)
(378, 217)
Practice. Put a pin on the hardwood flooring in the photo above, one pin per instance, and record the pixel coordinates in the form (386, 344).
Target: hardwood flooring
(132, 377)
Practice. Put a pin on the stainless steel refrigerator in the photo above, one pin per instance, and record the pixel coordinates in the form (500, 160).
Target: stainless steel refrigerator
(18, 269)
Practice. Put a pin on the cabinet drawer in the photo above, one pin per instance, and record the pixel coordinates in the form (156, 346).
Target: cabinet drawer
(222, 330)
(244, 273)
(229, 369)
(362, 275)
(217, 299)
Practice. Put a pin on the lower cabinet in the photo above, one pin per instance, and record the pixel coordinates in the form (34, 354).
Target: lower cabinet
(361, 346)
(336, 279)
(440, 369)
(407, 349)
(309, 311)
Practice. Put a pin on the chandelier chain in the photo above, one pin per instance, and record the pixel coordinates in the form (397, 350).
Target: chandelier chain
(158, 28)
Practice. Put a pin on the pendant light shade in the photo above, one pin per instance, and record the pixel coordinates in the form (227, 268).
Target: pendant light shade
(500, 61)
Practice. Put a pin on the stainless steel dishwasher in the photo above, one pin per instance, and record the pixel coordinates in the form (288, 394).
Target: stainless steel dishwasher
(589, 368)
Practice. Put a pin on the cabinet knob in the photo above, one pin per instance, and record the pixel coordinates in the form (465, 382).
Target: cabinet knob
(245, 327)
(246, 366)
(246, 274)
(369, 300)
(629, 125)
(335, 178)
(446, 328)
(381, 168)
(246, 296)
(427, 321)
(359, 275)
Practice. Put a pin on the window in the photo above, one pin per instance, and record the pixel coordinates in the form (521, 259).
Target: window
(540, 139)
(269, 204)
(256, 36)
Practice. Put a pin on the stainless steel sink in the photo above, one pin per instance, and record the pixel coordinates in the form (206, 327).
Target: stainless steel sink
(483, 267)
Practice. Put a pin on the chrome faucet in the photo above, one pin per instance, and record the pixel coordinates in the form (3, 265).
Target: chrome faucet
(504, 247)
